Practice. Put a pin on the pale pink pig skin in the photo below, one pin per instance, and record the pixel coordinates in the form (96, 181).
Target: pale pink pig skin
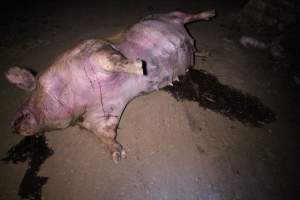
(73, 90)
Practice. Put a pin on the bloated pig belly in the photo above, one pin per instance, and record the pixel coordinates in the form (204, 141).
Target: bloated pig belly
(165, 47)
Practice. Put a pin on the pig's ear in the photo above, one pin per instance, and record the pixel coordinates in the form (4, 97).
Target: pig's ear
(22, 78)
(112, 60)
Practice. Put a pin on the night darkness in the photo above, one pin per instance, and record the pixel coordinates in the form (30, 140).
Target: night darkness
(228, 129)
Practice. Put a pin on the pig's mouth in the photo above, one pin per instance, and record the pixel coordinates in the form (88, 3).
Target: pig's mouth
(24, 124)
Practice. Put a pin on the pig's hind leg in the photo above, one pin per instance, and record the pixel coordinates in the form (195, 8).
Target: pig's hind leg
(183, 18)
(105, 128)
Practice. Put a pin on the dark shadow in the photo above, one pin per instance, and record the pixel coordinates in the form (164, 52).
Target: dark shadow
(35, 150)
(144, 66)
(204, 88)
(34, 72)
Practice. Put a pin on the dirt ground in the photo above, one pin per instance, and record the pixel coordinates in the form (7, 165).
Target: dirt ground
(176, 149)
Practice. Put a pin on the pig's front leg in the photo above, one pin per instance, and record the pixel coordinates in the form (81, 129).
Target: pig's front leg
(108, 134)
(105, 128)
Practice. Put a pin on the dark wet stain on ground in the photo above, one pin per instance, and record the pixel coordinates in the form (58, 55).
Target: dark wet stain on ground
(200, 86)
(36, 151)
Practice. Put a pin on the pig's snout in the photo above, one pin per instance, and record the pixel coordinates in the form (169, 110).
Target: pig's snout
(25, 124)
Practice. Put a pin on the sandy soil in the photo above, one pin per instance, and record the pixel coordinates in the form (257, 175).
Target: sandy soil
(176, 149)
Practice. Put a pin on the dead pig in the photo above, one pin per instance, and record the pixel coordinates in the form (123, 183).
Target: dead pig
(91, 84)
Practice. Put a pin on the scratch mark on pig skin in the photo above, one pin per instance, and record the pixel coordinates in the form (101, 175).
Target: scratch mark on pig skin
(204, 88)
(91, 83)
(35, 150)
(100, 91)
(67, 108)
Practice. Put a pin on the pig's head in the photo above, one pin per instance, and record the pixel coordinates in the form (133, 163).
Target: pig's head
(25, 122)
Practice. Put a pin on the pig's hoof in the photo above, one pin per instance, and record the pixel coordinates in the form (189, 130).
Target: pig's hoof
(117, 156)
(207, 15)
(123, 154)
